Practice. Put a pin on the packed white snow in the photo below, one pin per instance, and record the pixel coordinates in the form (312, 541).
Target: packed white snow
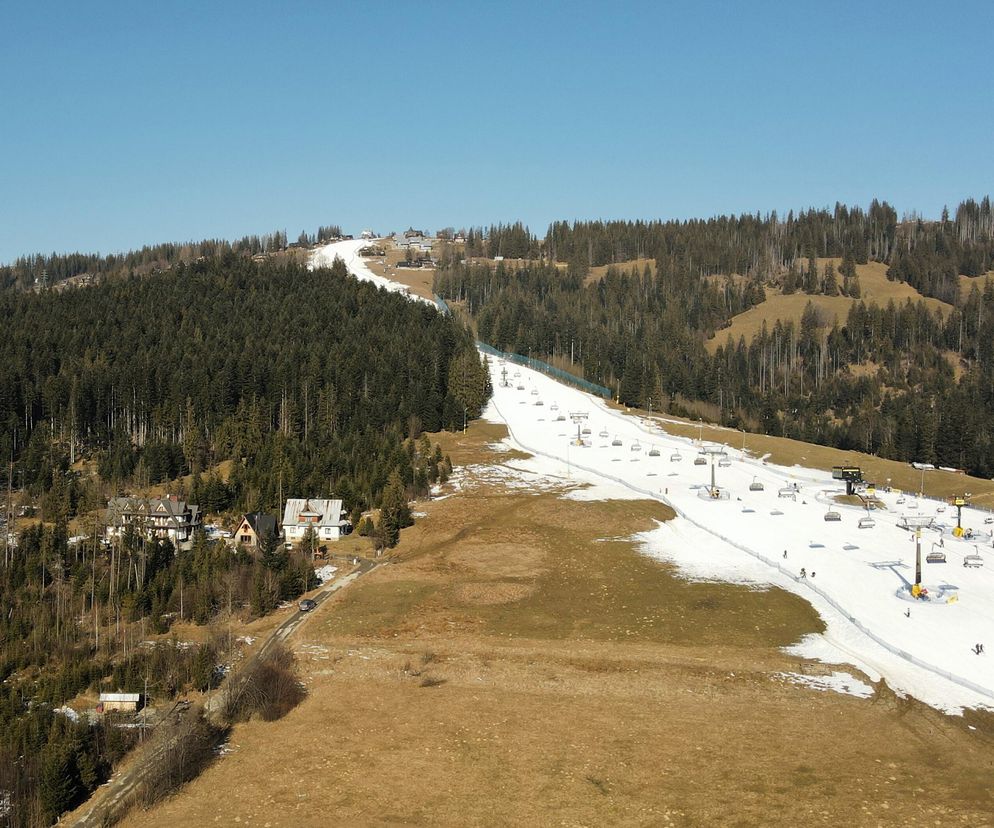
(348, 252)
(856, 578)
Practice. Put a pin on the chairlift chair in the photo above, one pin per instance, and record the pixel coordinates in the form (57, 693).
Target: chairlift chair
(539, 402)
(616, 442)
(755, 486)
(867, 523)
(988, 520)
(554, 407)
(936, 556)
(521, 387)
(636, 446)
(561, 418)
(585, 430)
(604, 433)
(534, 392)
(676, 457)
(654, 452)
(832, 516)
(724, 462)
(700, 460)
(973, 560)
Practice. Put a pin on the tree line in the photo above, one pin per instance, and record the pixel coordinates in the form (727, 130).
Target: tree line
(641, 331)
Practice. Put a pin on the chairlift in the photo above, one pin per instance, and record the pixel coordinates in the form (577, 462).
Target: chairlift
(788, 492)
(616, 442)
(775, 512)
(940, 510)
(561, 418)
(521, 387)
(724, 462)
(517, 374)
(585, 431)
(988, 520)
(867, 523)
(676, 457)
(755, 486)
(900, 501)
(973, 560)
(832, 516)
(700, 460)
(936, 556)
(554, 407)
(534, 392)
(604, 433)
(539, 402)
(654, 452)
(636, 446)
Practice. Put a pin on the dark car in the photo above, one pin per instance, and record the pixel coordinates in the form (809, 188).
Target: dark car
(307, 605)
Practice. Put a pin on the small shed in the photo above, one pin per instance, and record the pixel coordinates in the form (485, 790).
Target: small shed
(119, 703)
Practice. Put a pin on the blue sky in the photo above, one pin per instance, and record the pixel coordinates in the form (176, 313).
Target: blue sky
(132, 123)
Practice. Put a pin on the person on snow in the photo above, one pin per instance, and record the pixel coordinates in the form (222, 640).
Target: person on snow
(803, 573)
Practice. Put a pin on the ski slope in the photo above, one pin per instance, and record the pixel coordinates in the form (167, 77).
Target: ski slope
(856, 578)
(348, 252)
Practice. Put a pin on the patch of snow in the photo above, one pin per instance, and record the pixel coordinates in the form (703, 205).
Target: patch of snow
(325, 573)
(838, 682)
(68, 712)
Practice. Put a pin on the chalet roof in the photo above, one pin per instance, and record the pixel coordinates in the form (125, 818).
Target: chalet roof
(262, 524)
(172, 512)
(329, 512)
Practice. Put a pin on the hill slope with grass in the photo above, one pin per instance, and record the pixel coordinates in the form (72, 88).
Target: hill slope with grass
(874, 285)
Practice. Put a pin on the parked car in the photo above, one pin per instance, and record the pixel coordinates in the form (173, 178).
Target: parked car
(307, 605)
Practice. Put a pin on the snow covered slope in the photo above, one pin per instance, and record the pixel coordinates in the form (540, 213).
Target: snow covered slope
(857, 578)
(348, 252)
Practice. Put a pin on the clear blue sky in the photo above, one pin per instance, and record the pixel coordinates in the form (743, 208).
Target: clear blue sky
(131, 123)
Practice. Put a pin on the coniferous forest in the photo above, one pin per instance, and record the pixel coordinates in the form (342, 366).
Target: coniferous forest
(642, 331)
(310, 383)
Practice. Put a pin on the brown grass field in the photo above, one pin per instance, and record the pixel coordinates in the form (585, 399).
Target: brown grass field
(597, 273)
(874, 285)
(966, 283)
(519, 662)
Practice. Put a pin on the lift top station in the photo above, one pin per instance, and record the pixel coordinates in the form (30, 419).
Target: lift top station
(851, 474)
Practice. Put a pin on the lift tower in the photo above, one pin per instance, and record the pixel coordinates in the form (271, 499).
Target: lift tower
(917, 522)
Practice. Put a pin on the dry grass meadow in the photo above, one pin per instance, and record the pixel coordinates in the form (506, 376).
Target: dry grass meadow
(519, 662)
(874, 285)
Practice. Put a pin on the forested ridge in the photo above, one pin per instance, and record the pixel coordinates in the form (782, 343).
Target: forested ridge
(27, 271)
(310, 383)
(642, 331)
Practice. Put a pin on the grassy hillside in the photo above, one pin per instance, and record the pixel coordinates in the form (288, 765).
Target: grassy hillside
(599, 272)
(875, 286)
(522, 663)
